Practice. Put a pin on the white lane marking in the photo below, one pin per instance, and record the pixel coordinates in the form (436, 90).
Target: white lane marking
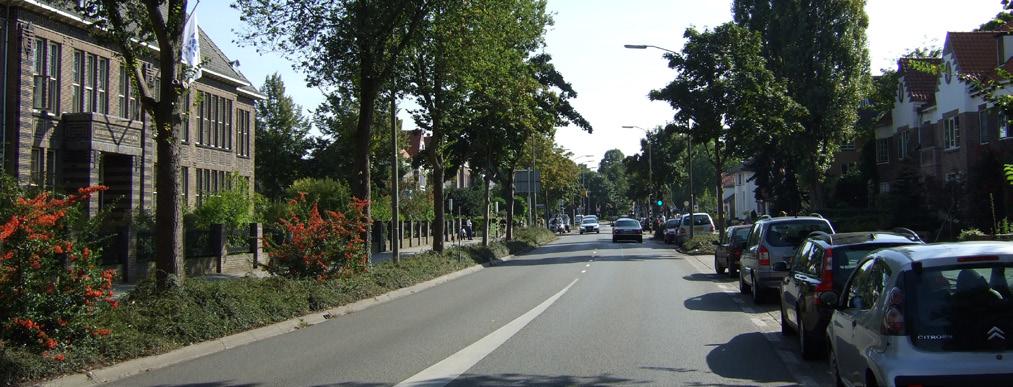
(444, 372)
(587, 265)
(583, 271)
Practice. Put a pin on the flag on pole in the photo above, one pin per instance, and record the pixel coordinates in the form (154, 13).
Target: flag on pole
(191, 50)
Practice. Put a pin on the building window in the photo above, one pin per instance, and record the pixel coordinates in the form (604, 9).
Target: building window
(216, 120)
(882, 150)
(904, 144)
(184, 183)
(78, 81)
(243, 133)
(228, 124)
(51, 168)
(983, 135)
(46, 76)
(884, 187)
(951, 133)
(1004, 129)
(848, 147)
(90, 78)
(102, 86)
(129, 108)
(37, 164)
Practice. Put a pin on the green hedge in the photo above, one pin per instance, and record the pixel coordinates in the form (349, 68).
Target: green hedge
(149, 322)
(700, 244)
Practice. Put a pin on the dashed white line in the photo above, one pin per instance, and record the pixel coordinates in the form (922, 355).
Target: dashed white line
(583, 271)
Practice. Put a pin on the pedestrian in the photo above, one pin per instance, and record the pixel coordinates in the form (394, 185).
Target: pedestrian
(469, 229)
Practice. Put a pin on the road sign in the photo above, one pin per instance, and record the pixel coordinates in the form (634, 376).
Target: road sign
(521, 179)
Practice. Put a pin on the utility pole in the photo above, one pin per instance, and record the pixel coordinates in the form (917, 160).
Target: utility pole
(395, 229)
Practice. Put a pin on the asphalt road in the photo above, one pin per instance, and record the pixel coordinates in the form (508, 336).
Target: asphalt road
(581, 310)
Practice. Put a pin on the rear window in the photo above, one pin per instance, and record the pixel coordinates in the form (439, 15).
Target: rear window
(627, 223)
(671, 223)
(792, 233)
(698, 220)
(740, 234)
(966, 308)
(846, 259)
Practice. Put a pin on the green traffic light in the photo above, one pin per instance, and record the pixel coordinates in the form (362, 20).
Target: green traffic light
(660, 203)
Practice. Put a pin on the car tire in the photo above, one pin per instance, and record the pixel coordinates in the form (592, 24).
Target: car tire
(805, 343)
(732, 271)
(835, 370)
(743, 288)
(785, 329)
(717, 266)
(757, 291)
(614, 240)
(640, 240)
(598, 232)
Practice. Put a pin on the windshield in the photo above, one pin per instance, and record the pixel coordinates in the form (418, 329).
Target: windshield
(740, 234)
(588, 221)
(792, 233)
(672, 223)
(698, 220)
(628, 223)
(960, 308)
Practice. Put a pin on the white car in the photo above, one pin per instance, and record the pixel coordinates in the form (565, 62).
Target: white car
(589, 225)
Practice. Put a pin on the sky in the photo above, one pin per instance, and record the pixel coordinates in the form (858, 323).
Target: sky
(586, 44)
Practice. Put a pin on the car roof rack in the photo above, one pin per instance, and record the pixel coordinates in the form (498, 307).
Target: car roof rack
(908, 233)
(821, 236)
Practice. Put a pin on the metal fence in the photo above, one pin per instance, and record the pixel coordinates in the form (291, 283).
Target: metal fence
(238, 240)
(197, 242)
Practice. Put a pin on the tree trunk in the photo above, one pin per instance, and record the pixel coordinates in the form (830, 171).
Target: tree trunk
(508, 191)
(720, 189)
(439, 201)
(169, 238)
(816, 199)
(363, 136)
(485, 225)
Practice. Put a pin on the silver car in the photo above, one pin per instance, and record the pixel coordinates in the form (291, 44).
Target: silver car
(773, 240)
(926, 315)
(589, 225)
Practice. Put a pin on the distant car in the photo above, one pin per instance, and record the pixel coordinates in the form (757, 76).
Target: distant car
(670, 228)
(773, 240)
(938, 314)
(589, 225)
(701, 223)
(728, 250)
(821, 265)
(629, 229)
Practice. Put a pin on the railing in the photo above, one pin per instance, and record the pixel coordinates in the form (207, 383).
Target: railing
(238, 240)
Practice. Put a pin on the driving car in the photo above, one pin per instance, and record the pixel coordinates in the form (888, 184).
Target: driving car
(670, 228)
(773, 240)
(629, 229)
(727, 251)
(701, 223)
(933, 315)
(589, 224)
(822, 264)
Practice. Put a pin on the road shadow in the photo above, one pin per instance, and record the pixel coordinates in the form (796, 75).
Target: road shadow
(748, 356)
(712, 302)
(515, 379)
(210, 384)
(709, 277)
(581, 259)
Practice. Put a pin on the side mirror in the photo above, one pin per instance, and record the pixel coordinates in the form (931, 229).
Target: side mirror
(781, 266)
(829, 299)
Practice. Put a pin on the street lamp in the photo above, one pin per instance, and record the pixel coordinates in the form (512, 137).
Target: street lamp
(645, 46)
(583, 183)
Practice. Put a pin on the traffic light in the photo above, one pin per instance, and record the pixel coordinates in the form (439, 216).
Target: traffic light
(660, 202)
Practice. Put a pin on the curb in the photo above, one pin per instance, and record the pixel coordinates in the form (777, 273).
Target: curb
(141, 365)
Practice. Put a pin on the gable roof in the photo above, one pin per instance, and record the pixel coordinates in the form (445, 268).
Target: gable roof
(219, 65)
(975, 53)
(919, 85)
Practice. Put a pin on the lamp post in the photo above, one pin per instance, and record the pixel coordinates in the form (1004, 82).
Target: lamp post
(583, 183)
(395, 196)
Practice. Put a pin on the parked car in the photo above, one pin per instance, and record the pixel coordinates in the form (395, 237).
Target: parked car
(701, 223)
(821, 265)
(626, 228)
(589, 224)
(931, 315)
(773, 240)
(671, 226)
(728, 250)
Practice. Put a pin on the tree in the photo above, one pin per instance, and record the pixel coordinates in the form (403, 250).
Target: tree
(818, 48)
(131, 25)
(355, 46)
(282, 142)
(613, 171)
(723, 92)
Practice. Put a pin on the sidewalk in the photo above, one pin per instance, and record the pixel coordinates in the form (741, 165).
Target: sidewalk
(407, 252)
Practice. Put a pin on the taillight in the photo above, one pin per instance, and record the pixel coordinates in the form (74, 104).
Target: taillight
(893, 320)
(764, 256)
(827, 277)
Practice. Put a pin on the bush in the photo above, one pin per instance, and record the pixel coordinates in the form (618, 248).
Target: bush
(533, 235)
(318, 247)
(329, 194)
(700, 244)
(232, 207)
(50, 285)
(971, 234)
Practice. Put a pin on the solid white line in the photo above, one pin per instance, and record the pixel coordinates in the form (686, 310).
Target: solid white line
(444, 372)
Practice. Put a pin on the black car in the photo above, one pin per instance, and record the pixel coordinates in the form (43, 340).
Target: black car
(728, 250)
(626, 228)
(821, 265)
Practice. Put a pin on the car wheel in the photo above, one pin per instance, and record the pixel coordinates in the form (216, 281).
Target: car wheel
(640, 240)
(614, 240)
(785, 329)
(835, 370)
(717, 267)
(805, 343)
(757, 291)
(732, 271)
(743, 288)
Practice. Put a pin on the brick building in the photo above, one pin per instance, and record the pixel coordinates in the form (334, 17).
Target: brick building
(71, 119)
(944, 135)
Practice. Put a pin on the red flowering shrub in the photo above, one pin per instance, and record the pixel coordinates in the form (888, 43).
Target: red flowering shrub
(321, 247)
(50, 286)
